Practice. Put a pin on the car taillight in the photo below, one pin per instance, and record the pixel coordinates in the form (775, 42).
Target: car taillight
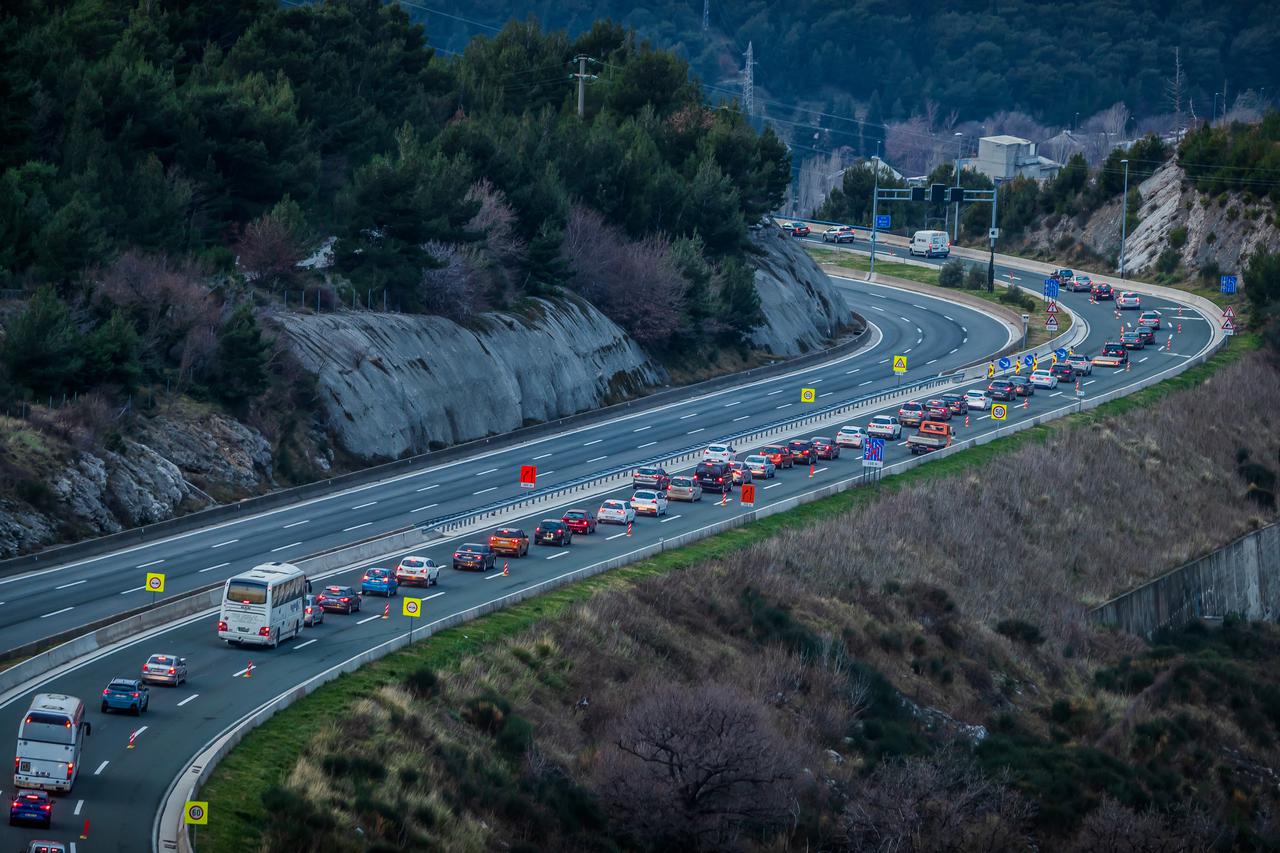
(71, 765)
(264, 632)
(106, 692)
(719, 479)
(344, 598)
(365, 578)
(135, 693)
(171, 670)
(222, 626)
(46, 807)
(308, 609)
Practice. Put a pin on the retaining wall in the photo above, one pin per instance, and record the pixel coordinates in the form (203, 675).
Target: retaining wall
(1242, 579)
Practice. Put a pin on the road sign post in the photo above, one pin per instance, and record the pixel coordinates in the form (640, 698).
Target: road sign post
(808, 395)
(748, 495)
(883, 221)
(899, 364)
(412, 607)
(999, 411)
(155, 585)
(872, 457)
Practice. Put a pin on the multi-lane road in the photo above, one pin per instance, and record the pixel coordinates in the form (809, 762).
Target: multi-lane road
(121, 788)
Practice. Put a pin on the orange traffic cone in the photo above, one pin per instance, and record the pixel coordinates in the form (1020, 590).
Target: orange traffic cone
(1179, 328)
(248, 670)
(506, 569)
(1077, 386)
(386, 610)
(132, 737)
(1126, 364)
(1026, 402)
(84, 833)
(1169, 344)
(810, 467)
(966, 420)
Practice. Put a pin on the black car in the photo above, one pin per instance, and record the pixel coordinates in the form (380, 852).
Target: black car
(712, 475)
(1064, 372)
(31, 806)
(343, 599)
(801, 450)
(1146, 334)
(825, 448)
(475, 557)
(552, 531)
(1103, 291)
(1022, 386)
(956, 403)
(1001, 389)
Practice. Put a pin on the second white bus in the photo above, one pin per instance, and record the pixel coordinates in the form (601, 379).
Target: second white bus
(264, 605)
(50, 738)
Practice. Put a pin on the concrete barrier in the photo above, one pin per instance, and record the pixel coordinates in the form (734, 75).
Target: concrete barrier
(1241, 579)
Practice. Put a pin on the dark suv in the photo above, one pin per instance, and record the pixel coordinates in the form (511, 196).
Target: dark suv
(801, 450)
(342, 598)
(825, 448)
(474, 556)
(1001, 389)
(1022, 386)
(650, 478)
(712, 475)
(552, 531)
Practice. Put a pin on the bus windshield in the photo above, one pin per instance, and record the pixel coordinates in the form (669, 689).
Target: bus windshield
(47, 728)
(247, 592)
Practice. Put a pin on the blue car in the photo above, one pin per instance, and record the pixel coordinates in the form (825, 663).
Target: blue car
(126, 694)
(381, 581)
(31, 806)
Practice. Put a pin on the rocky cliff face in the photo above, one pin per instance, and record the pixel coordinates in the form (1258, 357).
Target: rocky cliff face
(803, 311)
(175, 460)
(396, 384)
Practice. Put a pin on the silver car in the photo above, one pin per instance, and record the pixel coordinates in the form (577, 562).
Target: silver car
(312, 613)
(684, 489)
(760, 466)
(165, 669)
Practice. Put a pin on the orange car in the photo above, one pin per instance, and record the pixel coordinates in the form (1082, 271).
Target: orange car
(510, 540)
(780, 455)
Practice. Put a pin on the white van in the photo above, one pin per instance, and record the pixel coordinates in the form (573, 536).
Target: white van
(931, 244)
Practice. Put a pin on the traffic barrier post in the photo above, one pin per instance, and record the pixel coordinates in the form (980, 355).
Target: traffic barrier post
(133, 735)
(84, 833)
(506, 568)
(629, 523)
(248, 670)
(386, 610)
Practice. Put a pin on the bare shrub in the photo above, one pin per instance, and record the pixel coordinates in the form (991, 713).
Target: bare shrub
(698, 765)
(453, 289)
(165, 301)
(1114, 828)
(269, 249)
(941, 803)
(635, 283)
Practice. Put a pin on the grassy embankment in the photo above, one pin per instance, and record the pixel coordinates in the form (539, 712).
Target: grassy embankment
(270, 753)
(1036, 333)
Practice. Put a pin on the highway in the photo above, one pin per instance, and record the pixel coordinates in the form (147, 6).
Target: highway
(43, 602)
(121, 788)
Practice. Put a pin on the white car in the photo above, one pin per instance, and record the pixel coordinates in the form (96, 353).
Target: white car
(1044, 378)
(1129, 300)
(885, 426)
(839, 234)
(648, 502)
(850, 436)
(417, 571)
(1080, 364)
(615, 512)
(977, 399)
(719, 453)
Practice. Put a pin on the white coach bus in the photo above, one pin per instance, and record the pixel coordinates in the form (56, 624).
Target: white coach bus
(50, 738)
(264, 605)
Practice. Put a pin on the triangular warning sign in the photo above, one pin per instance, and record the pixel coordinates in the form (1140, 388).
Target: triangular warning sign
(1228, 325)
(1051, 322)
(1053, 307)
(1229, 312)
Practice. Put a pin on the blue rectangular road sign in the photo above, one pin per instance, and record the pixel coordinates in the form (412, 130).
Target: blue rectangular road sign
(873, 453)
(1228, 284)
(1050, 288)
(883, 220)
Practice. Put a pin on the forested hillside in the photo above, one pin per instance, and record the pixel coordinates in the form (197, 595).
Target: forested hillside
(885, 61)
(145, 147)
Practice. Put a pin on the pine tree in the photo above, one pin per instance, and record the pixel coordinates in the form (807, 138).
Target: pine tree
(42, 349)
(242, 358)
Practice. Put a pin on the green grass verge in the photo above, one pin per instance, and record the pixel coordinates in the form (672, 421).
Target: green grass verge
(268, 753)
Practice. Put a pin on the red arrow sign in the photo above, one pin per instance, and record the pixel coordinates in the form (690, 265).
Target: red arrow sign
(528, 476)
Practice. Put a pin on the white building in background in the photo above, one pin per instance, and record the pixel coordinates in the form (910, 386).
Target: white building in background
(1005, 157)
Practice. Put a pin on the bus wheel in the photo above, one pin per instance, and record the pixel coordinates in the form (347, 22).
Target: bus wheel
(275, 639)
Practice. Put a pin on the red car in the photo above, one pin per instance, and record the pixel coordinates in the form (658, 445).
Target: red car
(799, 229)
(580, 520)
(780, 456)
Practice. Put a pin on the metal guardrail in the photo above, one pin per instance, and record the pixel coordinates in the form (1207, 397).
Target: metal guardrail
(457, 521)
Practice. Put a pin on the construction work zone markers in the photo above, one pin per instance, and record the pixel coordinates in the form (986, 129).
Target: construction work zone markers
(248, 670)
(386, 610)
(629, 523)
(506, 568)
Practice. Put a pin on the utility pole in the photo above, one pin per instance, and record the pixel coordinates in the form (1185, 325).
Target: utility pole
(1124, 215)
(955, 225)
(748, 83)
(991, 264)
(875, 199)
(582, 77)
(706, 15)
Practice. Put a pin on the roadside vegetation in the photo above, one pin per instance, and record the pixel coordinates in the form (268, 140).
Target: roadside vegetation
(841, 666)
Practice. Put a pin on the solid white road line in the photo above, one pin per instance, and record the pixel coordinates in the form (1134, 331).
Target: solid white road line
(211, 568)
(298, 646)
(432, 595)
(285, 547)
(437, 485)
(784, 406)
(101, 767)
(152, 563)
(73, 583)
(135, 589)
(734, 403)
(670, 518)
(56, 612)
(779, 391)
(553, 556)
(228, 542)
(494, 576)
(356, 527)
(482, 491)
(883, 361)
(643, 428)
(1089, 382)
(695, 431)
(362, 506)
(241, 672)
(296, 523)
(482, 473)
(743, 418)
(423, 508)
(615, 536)
(593, 441)
(597, 459)
(646, 444)
(690, 415)
(1055, 393)
(195, 696)
(1144, 358)
(548, 473)
(908, 349)
(369, 618)
(771, 485)
(543, 456)
(79, 806)
(828, 394)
